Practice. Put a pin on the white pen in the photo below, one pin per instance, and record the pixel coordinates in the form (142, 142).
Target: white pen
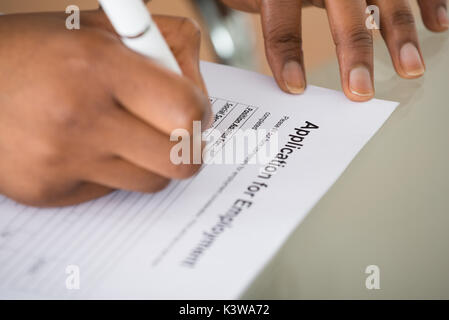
(132, 21)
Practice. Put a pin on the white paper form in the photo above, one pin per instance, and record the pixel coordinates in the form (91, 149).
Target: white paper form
(205, 237)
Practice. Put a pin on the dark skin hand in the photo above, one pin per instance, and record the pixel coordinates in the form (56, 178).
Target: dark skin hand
(82, 115)
(281, 21)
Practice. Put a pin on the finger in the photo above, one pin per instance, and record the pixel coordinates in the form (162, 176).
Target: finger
(146, 147)
(399, 31)
(281, 22)
(354, 46)
(117, 173)
(155, 95)
(184, 38)
(434, 14)
(81, 193)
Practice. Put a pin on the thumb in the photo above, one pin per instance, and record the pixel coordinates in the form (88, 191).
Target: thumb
(281, 22)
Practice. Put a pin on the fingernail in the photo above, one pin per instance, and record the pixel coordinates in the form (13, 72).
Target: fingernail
(360, 82)
(411, 60)
(293, 77)
(443, 19)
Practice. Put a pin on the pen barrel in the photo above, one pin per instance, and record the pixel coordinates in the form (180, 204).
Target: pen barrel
(128, 17)
(132, 21)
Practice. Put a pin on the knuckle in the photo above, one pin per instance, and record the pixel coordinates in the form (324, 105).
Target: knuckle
(402, 17)
(278, 38)
(356, 37)
(73, 117)
(67, 117)
(185, 171)
(190, 28)
(158, 185)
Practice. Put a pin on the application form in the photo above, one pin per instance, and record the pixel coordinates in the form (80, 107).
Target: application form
(206, 237)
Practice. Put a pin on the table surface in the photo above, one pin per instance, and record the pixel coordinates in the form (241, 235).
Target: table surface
(390, 208)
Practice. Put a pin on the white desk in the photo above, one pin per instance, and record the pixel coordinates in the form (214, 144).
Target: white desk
(391, 206)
